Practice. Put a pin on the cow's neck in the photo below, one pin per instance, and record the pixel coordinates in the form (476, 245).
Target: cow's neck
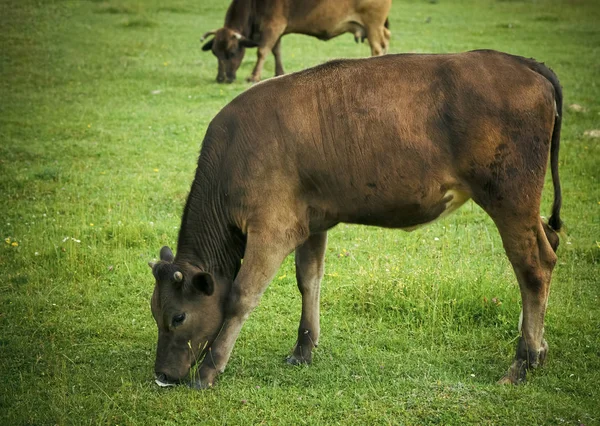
(239, 16)
(205, 238)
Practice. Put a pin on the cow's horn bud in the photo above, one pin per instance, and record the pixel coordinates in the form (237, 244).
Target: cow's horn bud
(237, 35)
(178, 276)
(207, 34)
(151, 264)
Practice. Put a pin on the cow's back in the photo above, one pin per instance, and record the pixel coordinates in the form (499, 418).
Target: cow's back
(386, 140)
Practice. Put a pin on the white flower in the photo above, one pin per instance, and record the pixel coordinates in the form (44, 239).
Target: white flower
(71, 238)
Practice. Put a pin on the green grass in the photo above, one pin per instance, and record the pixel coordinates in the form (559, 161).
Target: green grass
(103, 106)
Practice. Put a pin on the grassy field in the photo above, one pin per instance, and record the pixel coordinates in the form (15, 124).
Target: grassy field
(103, 106)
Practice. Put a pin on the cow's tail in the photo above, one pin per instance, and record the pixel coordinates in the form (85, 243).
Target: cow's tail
(555, 222)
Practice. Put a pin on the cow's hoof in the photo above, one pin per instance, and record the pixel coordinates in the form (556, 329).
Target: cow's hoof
(200, 385)
(517, 373)
(542, 354)
(297, 360)
(505, 381)
(511, 379)
(253, 79)
(524, 360)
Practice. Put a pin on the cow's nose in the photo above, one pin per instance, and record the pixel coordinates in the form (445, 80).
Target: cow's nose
(163, 381)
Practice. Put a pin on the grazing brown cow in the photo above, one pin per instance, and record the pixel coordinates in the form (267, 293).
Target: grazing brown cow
(261, 24)
(396, 141)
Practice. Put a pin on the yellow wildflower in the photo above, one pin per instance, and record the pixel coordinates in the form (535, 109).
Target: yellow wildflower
(14, 244)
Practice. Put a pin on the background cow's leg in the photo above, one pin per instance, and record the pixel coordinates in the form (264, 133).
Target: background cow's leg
(277, 53)
(533, 260)
(387, 35)
(377, 41)
(262, 54)
(262, 259)
(270, 38)
(220, 72)
(309, 273)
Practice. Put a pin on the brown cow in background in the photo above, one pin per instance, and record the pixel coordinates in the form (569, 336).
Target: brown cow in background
(261, 24)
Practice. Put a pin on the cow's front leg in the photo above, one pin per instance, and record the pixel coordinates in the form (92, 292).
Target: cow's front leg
(277, 53)
(262, 258)
(309, 273)
(269, 40)
(220, 72)
(262, 54)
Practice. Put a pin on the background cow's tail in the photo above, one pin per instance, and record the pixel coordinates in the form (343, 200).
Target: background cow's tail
(555, 222)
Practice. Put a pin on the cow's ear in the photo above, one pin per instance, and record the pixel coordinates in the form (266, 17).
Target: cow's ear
(246, 42)
(208, 45)
(166, 254)
(204, 283)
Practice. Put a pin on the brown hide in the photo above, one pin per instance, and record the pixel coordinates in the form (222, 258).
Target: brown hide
(395, 141)
(261, 24)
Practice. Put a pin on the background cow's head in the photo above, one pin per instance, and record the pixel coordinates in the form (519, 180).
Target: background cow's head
(187, 308)
(229, 47)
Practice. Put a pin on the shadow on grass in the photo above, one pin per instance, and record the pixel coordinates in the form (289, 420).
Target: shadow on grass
(139, 23)
(113, 10)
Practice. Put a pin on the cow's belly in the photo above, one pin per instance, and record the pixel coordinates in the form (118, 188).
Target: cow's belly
(327, 26)
(406, 214)
(455, 199)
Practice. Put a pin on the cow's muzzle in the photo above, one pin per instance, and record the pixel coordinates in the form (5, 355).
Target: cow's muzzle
(164, 381)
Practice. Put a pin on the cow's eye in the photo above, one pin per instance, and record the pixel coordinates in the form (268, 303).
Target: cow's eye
(178, 320)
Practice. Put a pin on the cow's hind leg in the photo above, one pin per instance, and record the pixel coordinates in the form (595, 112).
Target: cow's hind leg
(533, 258)
(309, 273)
(378, 37)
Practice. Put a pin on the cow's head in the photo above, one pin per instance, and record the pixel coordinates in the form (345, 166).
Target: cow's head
(187, 308)
(229, 47)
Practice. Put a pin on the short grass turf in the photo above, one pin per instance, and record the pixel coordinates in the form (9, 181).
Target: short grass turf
(103, 106)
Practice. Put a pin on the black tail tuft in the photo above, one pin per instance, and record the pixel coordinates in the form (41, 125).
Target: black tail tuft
(555, 222)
